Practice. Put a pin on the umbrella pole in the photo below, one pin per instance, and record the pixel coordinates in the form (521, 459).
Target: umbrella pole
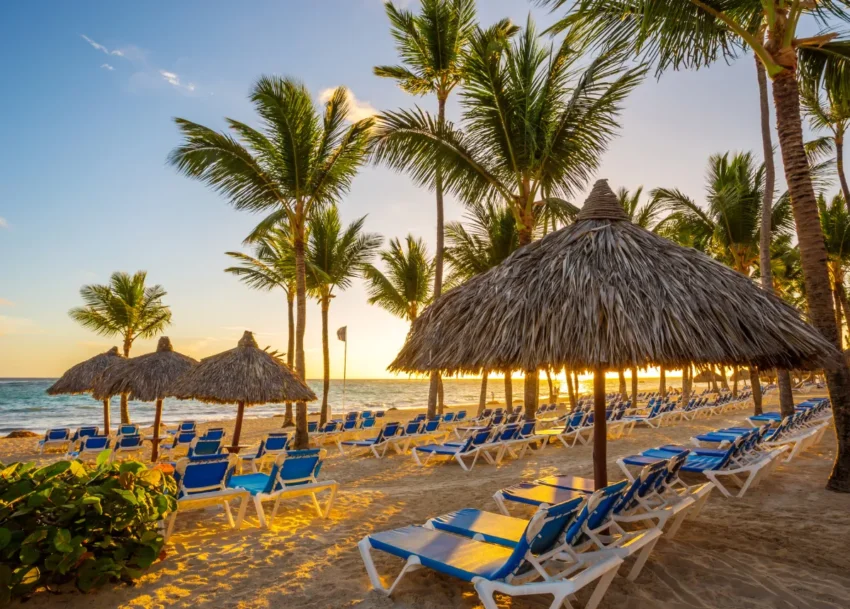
(106, 416)
(157, 421)
(237, 430)
(600, 430)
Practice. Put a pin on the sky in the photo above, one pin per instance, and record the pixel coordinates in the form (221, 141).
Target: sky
(91, 91)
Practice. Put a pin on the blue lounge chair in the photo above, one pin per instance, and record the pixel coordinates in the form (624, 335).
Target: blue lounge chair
(492, 568)
(294, 474)
(204, 447)
(474, 446)
(90, 447)
(214, 433)
(128, 429)
(202, 482)
(271, 447)
(179, 442)
(573, 431)
(57, 437)
(82, 432)
(184, 427)
(127, 445)
(377, 445)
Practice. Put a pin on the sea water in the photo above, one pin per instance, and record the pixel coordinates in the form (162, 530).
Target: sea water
(24, 403)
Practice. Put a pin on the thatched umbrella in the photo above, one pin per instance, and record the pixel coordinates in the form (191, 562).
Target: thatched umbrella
(80, 378)
(603, 294)
(706, 376)
(145, 378)
(246, 375)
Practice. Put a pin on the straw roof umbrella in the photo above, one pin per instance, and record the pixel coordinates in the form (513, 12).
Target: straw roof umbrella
(80, 378)
(602, 294)
(145, 378)
(246, 375)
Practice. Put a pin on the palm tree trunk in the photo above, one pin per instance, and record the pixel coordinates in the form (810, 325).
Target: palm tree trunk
(836, 302)
(734, 381)
(326, 360)
(441, 404)
(290, 349)
(125, 405)
(531, 391)
(662, 382)
(786, 396)
(552, 397)
(786, 97)
(482, 396)
(624, 393)
(723, 381)
(509, 390)
(839, 165)
(571, 390)
(157, 421)
(634, 387)
(435, 388)
(755, 385)
(301, 437)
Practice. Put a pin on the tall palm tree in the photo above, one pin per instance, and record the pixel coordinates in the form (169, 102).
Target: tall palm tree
(489, 236)
(431, 47)
(124, 307)
(297, 160)
(334, 256)
(646, 215)
(829, 112)
(835, 223)
(535, 125)
(405, 287)
(693, 33)
(272, 267)
(729, 225)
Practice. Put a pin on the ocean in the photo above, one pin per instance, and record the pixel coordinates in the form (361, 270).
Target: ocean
(25, 405)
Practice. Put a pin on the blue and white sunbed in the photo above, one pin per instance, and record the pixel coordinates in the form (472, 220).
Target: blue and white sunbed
(59, 437)
(202, 482)
(128, 429)
(377, 445)
(129, 445)
(473, 446)
(181, 441)
(294, 474)
(272, 446)
(493, 568)
(205, 447)
(82, 432)
(573, 431)
(90, 447)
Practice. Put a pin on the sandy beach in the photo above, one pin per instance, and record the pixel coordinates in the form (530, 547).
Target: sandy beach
(782, 546)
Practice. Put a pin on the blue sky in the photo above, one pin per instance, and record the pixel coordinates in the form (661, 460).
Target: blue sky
(91, 88)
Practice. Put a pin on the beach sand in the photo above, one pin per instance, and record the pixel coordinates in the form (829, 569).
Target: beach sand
(784, 545)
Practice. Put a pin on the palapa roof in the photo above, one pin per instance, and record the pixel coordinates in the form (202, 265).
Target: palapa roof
(706, 376)
(244, 374)
(604, 292)
(146, 377)
(80, 378)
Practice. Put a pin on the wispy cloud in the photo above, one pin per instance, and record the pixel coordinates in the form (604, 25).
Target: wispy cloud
(106, 66)
(100, 47)
(18, 325)
(3, 222)
(6, 303)
(357, 109)
(174, 80)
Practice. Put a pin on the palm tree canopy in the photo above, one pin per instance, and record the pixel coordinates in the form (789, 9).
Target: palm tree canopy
(729, 225)
(125, 306)
(535, 123)
(485, 241)
(646, 215)
(405, 286)
(835, 223)
(334, 255)
(297, 158)
(430, 44)
(272, 265)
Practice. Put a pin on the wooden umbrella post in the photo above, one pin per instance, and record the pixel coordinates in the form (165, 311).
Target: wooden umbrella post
(157, 421)
(237, 430)
(106, 416)
(600, 430)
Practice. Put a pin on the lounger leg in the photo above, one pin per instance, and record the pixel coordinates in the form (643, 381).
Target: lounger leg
(330, 503)
(171, 520)
(261, 515)
(500, 503)
(240, 515)
(365, 548)
(677, 522)
(416, 457)
(227, 511)
(641, 560)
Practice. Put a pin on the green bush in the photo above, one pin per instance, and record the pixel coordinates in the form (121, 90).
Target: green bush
(86, 524)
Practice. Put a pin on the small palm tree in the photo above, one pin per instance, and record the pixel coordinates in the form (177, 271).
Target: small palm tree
(829, 112)
(296, 161)
(835, 223)
(124, 307)
(272, 267)
(646, 215)
(334, 257)
(518, 143)
(405, 287)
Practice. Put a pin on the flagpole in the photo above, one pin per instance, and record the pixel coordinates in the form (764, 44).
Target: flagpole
(344, 371)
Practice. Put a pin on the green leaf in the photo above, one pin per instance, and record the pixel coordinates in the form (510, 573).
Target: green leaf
(35, 537)
(29, 554)
(5, 538)
(134, 467)
(126, 496)
(62, 541)
(103, 457)
(78, 470)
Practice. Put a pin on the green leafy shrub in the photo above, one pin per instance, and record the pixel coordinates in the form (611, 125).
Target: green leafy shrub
(86, 524)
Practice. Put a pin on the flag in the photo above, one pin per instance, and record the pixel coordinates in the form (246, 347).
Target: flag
(342, 334)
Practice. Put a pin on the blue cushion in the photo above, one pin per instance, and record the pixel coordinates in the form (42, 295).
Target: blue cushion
(535, 494)
(493, 528)
(253, 483)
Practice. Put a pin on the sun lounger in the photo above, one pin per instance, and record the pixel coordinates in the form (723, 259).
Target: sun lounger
(513, 570)
(90, 447)
(179, 442)
(59, 437)
(127, 445)
(474, 446)
(204, 447)
(273, 445)
(377, 445)
(294, 474)
(203, 482)
(82, 432)
(128, 429)
(574, 431)
(214, 433)
(183, 427)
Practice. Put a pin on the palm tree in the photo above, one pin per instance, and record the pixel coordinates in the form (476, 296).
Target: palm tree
(271, 267)
(405, 288)
(829, 112)
(488, 238)
(728, 227)
(334, 257)
(125, 307)
(694, 33)
(517, 143)
(431, 46)
(645, 215)
(835, 223)
(297, 160)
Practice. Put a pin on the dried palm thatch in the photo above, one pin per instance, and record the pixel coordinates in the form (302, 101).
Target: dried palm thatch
(147, 377)
(606, 293)
(80, 378)
(245, 376)
(706, 376)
